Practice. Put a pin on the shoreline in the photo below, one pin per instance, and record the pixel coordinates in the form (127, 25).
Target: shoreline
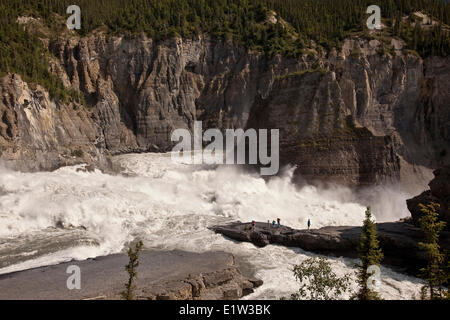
(161, 275)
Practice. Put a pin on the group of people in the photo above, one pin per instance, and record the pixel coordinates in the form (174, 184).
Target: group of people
(274, 224)
(277, 225)
(252, 226)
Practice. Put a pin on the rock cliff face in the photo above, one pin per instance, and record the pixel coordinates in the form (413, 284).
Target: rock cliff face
(439, 193)
(351, 118)
(37, 133)
(319, 135)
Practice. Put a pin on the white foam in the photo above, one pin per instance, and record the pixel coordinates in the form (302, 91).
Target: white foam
(170, 206)
(76, 253)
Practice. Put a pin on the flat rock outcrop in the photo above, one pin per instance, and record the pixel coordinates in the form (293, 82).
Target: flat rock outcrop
(399, 240)
(172, 275)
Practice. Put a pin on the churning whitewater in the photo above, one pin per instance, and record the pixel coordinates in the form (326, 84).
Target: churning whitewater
(47, 218)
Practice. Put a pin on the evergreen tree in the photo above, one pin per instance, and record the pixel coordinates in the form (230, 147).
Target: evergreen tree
(370, 254)
(327, 22)
(133, 255)
(434, 272)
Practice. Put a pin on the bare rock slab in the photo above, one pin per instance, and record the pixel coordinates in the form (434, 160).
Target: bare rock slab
(162, 275)
(399, 240)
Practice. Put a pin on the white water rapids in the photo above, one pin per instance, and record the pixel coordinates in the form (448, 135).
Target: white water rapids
(51, 217)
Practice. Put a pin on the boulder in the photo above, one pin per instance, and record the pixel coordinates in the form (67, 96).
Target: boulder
(439, 193)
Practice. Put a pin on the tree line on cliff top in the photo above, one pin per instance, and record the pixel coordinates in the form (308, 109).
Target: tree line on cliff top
(326, 22)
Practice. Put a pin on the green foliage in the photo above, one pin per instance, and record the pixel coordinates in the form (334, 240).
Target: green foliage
(326, 22)
(370, 254)
(431, 42)
(128, 294)
(318, 281)
(434, 273)
(23, 53)
(77, 153)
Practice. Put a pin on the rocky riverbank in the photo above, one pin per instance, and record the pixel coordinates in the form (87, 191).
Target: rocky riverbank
(162, 275)
(399, 240)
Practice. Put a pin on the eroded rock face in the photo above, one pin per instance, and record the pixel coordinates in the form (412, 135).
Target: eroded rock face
(142, 90)
(367, 119)
(226, 284)
(38, 134)
(439, 193)
(318, 133)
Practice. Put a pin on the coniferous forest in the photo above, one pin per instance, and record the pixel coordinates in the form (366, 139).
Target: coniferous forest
(326, 22)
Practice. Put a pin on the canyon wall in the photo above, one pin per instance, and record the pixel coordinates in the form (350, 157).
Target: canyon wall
(353, 116)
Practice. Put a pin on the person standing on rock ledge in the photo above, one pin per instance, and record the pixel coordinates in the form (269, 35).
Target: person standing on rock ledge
(309, 223)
